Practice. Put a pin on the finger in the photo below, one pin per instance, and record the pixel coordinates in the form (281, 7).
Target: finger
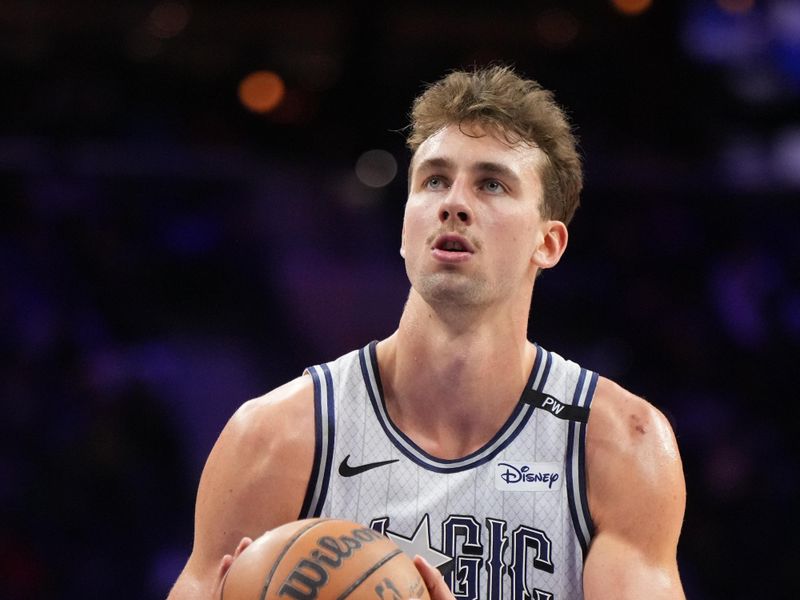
(228, 559)
(433, 579)
(224, 565)
(243, 544)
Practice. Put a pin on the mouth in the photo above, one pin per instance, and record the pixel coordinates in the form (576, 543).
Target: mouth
(453, 243)
(452, 249)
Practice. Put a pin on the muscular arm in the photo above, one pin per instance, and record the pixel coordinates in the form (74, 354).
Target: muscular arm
(254, 479)
(637, 498)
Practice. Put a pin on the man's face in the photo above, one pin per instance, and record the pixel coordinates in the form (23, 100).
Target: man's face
(472, 224)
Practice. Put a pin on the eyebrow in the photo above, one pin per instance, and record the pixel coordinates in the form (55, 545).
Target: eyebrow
(479, 167)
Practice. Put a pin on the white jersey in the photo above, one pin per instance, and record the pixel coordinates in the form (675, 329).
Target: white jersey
(509, 520)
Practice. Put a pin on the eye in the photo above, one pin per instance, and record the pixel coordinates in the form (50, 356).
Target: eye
(434, 182)
(493, 186)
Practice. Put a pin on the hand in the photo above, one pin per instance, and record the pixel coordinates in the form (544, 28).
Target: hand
(433, 579)
(228, 559)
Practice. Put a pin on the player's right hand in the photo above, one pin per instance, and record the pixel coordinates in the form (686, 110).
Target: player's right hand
(433, 579)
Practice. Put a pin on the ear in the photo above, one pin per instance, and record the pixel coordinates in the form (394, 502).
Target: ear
(403, 242)
(552, 245)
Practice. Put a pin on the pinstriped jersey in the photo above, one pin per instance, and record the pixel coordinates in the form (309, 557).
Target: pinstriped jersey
(509, 520)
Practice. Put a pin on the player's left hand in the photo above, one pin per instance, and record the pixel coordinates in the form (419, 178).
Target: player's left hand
(433, 579)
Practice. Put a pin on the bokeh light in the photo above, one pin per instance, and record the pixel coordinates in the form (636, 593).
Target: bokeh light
(631, 7)
(168, 19)
(376, 168)
(556, 28)
(736, 6)
(261, 91)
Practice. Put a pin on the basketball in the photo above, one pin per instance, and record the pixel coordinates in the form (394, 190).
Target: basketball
(323, 559)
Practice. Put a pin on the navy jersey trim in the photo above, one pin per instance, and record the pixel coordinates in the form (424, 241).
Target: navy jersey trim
(324, 434)
(515, 423)
(312, 480)
(587, 401)
(542, 357)
(330, 441)
(576, 462)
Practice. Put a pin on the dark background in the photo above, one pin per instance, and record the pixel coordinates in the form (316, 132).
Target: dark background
(166, 254)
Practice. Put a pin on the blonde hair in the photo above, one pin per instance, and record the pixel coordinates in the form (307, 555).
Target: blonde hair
(520, 110)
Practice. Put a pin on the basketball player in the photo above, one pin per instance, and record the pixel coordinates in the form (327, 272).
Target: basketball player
(515, 472)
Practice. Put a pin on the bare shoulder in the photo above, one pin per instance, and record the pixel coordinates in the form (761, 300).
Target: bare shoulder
(623, 422)
(264, 456)
(634, 472)
(255, 477)
(273, 421)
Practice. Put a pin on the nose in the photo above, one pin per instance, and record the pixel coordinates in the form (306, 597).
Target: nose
(454, 208)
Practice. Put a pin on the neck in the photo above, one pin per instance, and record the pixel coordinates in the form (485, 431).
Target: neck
(450, 383)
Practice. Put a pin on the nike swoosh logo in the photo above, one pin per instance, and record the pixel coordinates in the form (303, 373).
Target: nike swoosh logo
(347, 470)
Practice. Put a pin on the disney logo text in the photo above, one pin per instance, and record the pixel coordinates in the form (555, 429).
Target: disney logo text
(514, 474)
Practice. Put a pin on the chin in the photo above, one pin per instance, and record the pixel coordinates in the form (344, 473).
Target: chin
(441, 291)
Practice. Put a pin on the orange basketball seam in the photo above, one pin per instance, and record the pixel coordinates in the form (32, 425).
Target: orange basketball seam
(369, 572)
(283, 552)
